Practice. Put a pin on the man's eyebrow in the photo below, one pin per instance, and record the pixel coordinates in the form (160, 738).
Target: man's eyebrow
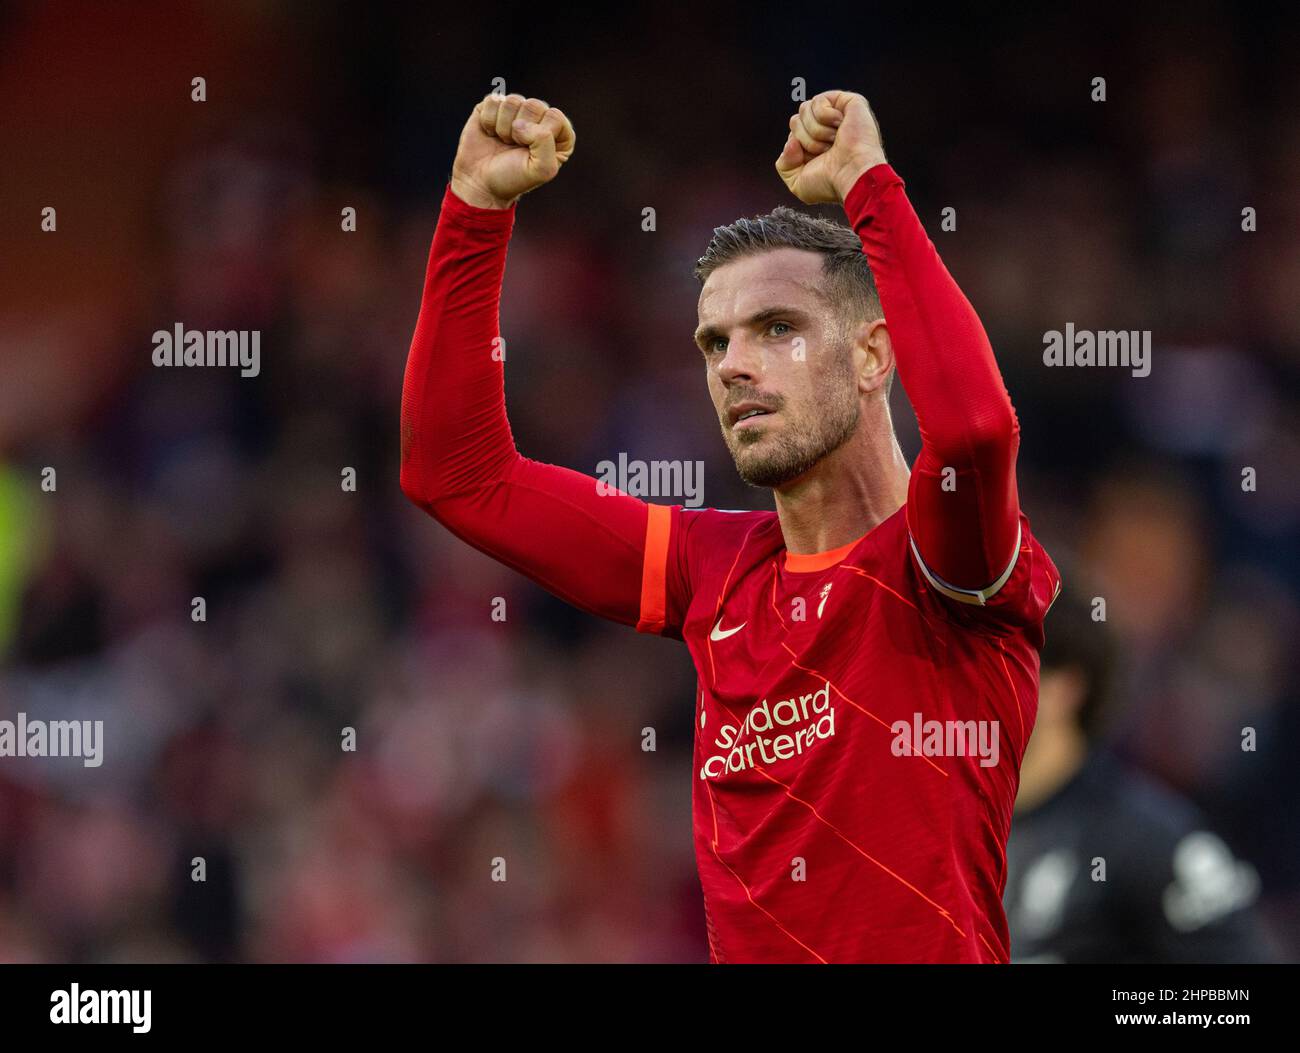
(705, 334)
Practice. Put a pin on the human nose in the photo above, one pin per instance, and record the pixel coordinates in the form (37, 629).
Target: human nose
(743, 361)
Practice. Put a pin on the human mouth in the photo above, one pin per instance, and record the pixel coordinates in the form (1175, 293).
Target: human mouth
(746, 415)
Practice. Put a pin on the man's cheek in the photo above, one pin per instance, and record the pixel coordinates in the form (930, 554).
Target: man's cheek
(717, 394)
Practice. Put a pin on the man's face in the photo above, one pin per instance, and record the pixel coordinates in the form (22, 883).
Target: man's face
(771, 343)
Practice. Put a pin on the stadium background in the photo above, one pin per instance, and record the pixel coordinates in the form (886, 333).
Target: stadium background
(522, 739)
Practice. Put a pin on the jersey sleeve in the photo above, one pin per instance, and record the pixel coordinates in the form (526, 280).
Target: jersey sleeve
(965, 528)
(1020, 602)
(692, 549)
(583, 541)
(670, 573)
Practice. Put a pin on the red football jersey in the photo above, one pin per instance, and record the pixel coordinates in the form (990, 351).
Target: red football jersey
(832, 821)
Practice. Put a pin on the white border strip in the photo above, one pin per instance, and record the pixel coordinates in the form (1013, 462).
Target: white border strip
(978, 597)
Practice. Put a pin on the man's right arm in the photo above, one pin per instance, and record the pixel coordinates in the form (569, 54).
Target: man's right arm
(604, 553)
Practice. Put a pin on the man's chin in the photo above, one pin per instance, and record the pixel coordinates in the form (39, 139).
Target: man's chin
(772, 461)
(768, 472)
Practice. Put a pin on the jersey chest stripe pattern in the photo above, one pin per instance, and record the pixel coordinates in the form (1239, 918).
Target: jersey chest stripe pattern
(713, 844)
(775, 609)
(722, 599)
(898, 595)
(856, 705)
(943, 911)
(750, 896)
(1000, 961)
(820, 676)
(1011, 684)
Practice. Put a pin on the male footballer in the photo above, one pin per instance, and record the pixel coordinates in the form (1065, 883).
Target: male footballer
(868, 652)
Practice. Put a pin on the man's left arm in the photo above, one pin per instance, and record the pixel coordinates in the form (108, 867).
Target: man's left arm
(963, 509)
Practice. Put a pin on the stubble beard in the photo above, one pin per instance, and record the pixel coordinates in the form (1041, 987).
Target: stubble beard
(801, 444)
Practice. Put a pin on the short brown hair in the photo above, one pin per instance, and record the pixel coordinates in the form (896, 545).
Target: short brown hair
(849, 286)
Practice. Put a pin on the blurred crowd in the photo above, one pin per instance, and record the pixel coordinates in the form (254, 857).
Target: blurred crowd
(480, 740)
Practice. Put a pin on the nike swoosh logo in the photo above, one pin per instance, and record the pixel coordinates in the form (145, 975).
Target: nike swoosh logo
(719, 633)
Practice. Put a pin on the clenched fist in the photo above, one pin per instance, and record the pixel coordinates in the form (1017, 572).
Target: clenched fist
(834, 138)
(509, 146)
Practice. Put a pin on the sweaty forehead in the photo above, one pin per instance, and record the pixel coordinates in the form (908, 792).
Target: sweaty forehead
(751, 283)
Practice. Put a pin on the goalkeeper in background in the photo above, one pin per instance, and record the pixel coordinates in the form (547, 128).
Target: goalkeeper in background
(1172, 889)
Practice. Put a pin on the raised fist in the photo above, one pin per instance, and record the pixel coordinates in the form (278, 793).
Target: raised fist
(833, 139)
(509, 146)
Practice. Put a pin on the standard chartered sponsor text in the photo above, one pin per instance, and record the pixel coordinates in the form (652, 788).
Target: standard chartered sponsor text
(804, 721)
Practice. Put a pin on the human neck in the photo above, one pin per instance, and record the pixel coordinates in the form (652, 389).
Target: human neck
(848, 493)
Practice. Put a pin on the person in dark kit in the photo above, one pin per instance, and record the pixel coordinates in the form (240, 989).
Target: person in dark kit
(1105, 863)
